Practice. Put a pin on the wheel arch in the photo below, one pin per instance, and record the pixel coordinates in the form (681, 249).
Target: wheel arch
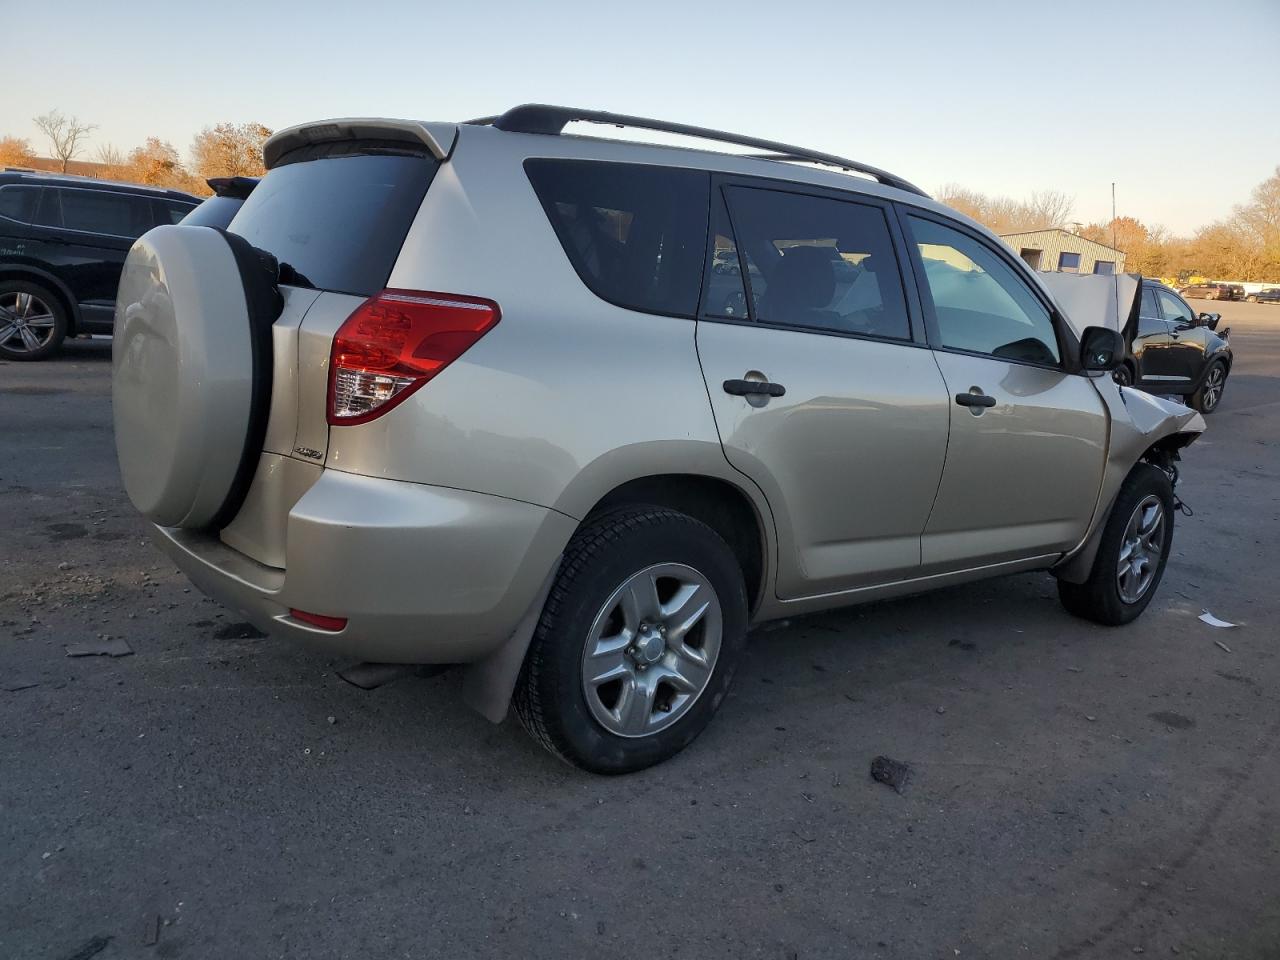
(725, 508)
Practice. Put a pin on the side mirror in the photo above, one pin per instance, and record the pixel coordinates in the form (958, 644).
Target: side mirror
(1209, 320)
(1101, 349)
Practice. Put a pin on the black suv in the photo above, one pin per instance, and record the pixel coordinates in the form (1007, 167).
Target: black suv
(1176, 351)
(63, 241)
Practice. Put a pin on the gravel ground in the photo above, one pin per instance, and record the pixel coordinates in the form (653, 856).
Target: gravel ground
(1075, 791)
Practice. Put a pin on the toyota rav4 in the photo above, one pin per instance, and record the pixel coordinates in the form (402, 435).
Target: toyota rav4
(485, 393)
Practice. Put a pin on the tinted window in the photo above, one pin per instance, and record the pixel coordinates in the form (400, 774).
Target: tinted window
(173, 211)
(97, 211)
(18, 202)
(339, 221)
(635, 234)
(1148, 307)
(819, 263)
(214, 212)
(980, 304)
(1173, 308)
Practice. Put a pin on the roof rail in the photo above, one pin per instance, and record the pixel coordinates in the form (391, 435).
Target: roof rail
(546, 119)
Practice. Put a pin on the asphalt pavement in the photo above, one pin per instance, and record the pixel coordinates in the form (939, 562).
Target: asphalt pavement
(1074, 791)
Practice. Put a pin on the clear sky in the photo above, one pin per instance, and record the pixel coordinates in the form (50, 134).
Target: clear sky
(1178, 102)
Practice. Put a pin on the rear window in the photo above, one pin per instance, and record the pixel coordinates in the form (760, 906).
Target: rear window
(339, 221)
(635, 234)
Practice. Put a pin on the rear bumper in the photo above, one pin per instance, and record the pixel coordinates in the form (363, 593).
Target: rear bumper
(422, 574)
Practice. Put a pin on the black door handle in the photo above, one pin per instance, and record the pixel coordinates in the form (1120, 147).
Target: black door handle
(975, 400)
(762, 388)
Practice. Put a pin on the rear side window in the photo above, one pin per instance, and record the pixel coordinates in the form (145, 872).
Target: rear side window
(818, 263)
(98, 211)
(173, 211)
(18, 202)
(338, 221)
(635, 234)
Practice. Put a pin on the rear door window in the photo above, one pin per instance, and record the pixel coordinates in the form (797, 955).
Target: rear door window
(18, 202)
(103, 212)
(635, 234)
(340, 220)
(819, 263)
(980, 304)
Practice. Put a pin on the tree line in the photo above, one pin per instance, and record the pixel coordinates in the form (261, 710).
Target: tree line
(1244, 245)
(222, 150)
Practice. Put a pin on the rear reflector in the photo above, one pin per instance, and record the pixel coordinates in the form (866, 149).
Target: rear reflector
(395, 342)
(319, 620)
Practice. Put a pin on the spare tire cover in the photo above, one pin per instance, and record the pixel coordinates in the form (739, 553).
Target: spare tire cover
(187, 375)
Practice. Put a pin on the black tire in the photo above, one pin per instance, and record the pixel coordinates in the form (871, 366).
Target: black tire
(549, 696)
(1098, 598)
(9, 348)
(1123, 375)
(1206, 399)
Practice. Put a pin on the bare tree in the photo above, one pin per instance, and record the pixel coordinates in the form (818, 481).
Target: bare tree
(1044, 208)
(112, 158)
(66, 134)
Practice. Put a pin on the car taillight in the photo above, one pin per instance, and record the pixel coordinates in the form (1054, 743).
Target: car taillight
(395, 342)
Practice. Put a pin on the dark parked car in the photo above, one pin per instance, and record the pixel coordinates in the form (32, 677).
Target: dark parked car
(63, 241)
(1269, 295)
(1176, 351)
(229, 194)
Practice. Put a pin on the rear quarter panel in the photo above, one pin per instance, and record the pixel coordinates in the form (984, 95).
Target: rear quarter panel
(568, 396)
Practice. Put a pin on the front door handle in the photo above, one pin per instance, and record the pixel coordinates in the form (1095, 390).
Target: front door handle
(975, 400)
(758, 388)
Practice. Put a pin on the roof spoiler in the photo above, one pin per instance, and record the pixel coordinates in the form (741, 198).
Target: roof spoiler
(438, 138)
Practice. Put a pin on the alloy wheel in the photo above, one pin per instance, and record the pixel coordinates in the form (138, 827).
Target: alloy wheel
(652, 649)
(26, 322)
(1140, 549)
(1213, 385)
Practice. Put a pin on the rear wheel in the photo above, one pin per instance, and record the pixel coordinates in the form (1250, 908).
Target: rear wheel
(1132, 554)
(638, 641)
(33, 322)
(1207, 398)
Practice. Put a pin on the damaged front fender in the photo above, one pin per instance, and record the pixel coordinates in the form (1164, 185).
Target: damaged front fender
(1143, 428)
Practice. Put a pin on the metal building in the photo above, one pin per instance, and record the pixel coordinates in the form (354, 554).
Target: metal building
(1056, 250)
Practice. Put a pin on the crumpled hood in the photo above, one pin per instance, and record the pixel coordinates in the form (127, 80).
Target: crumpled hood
(1156, 417)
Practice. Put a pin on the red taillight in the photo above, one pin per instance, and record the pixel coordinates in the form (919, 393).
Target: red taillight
(319, 620)
(394, 343)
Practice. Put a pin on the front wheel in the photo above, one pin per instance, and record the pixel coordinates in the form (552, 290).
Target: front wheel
(1131, 555)
(1207, 398)
(637, 643)
(1251, 298)
(1123, 375)
(32, 321)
